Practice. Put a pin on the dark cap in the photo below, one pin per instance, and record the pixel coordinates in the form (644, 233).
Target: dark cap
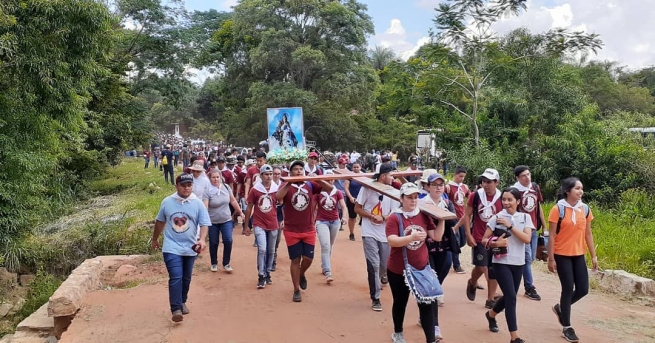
(260, 154)
(184, 178)
(220, 159)
(384, 169)
(241, 158)
(297, 163)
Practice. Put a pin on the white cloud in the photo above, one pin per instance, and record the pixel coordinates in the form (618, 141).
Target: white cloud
(624, 26)
(396, 38)
(226, 5)
(427, 4)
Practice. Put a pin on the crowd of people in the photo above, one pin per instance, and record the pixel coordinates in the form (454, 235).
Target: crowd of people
(221, 188)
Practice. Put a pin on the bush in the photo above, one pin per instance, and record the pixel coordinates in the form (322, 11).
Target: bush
(41, 288)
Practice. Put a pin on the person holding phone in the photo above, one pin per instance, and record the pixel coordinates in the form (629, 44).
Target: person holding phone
(506, 236)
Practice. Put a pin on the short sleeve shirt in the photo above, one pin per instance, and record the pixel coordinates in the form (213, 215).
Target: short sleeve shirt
(479, 219)
(516, 249)
(530, 201)
(327, 206)
(298, 209)
(181, 220)
(417, 252)
(264, 213)
(458, 196)
(376, 204)
(571, 240)
(253, 175)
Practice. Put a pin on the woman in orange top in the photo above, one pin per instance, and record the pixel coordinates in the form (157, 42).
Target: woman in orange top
(566, 250)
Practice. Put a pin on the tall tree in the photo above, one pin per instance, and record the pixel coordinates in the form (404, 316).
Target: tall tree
(381, 56)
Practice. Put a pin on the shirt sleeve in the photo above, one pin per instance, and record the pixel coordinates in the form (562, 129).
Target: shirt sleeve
(203, 216)
(205, 194)
(492, 222)
(469, 202)
(339, 196)
(161, 216)
(391, 228)
(251, 197)
(361, 198)
(553, 216)
(528, 222)
(430, 225)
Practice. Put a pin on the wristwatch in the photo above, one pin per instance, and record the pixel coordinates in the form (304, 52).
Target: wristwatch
(509, 228)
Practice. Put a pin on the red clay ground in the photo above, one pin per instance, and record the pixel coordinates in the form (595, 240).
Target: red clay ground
(229, 308)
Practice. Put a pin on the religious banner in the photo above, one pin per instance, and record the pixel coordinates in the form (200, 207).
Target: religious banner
(285, 128)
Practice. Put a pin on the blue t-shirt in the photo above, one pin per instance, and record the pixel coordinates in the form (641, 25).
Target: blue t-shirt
(354, 188)
(182, 218)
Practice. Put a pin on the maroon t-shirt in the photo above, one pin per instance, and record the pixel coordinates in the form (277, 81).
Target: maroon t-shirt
(264, 212)
(479, 219)
(241, 179)
(298, 214)
(327, 210)
(458, 198)
(530, 201)
(417, 252)
(253, 175)
(228, 177)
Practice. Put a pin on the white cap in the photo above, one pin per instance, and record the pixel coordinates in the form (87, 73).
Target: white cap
(408, 188)
(491, 174)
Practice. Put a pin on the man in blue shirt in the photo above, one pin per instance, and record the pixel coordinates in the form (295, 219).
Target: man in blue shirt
(179, 217)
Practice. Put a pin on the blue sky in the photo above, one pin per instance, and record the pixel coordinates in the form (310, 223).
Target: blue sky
(625, 26)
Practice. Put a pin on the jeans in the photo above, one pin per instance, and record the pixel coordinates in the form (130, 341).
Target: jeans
(168, 170)
(147, 162)
(156, 161)
(377, 254)
(265, 240)
(530, 253)
(215, 230)
(185, 163)
(179, 278)
(327, 234)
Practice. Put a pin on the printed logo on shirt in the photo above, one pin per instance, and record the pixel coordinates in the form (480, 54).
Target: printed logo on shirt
(485, 215)
(377, 210)
(529, 202)
(328, 203)
(415, 245)
(265, 203)
(180, 222)
(459, 198)
(300, 201)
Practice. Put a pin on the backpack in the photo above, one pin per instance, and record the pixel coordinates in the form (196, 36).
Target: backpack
(164, 161)
(562, 211)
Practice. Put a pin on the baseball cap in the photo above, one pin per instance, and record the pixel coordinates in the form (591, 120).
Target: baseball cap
(408, 188)
(184, 178)
(328, 172)
(491, 174)
(220, 159)
(434, 177)
(241, 158)
(249, 162)
(265, 169)
(295, 163)
(343, 161)
(231, 160)
(426, 175)
(312, 154)
(384, 169)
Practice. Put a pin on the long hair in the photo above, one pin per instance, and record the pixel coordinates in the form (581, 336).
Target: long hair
(567, 185)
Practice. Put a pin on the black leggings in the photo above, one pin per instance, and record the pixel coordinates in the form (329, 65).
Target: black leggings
(572, 270)
(509, 280)
(400, 294)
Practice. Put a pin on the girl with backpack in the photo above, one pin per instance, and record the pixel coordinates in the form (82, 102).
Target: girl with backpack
(506, 236)
(570, 231)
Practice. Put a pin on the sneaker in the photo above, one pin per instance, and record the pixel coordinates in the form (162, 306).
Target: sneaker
(303, 282)
(274, 267)
(376, 306)
(185, 310)
(297, 297)
(228, 268)
(569, 335)
(489, 304)
(437, 333)
(268, 280)
(531, 293)
(459, 270)
(440, 300)
(398, 337)
(177, 316)
(328, 277)
(493, 325)
(384, 280)
(470, 290)
(261, 282)
(518, 340)
(558, 312)
(214, 268)
(341, 228)
(352, 237)
(479, 286)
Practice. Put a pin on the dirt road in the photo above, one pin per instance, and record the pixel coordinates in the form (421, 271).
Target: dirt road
(229, 308)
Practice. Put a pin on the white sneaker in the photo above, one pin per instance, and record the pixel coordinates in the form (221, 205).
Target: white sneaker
(214, 267)
(228, 268)
(328, 277)
(437, 333)
(440, 300)
(398, 337)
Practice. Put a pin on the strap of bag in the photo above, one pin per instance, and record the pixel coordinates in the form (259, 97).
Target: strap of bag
(562, 211)
(401, 231)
